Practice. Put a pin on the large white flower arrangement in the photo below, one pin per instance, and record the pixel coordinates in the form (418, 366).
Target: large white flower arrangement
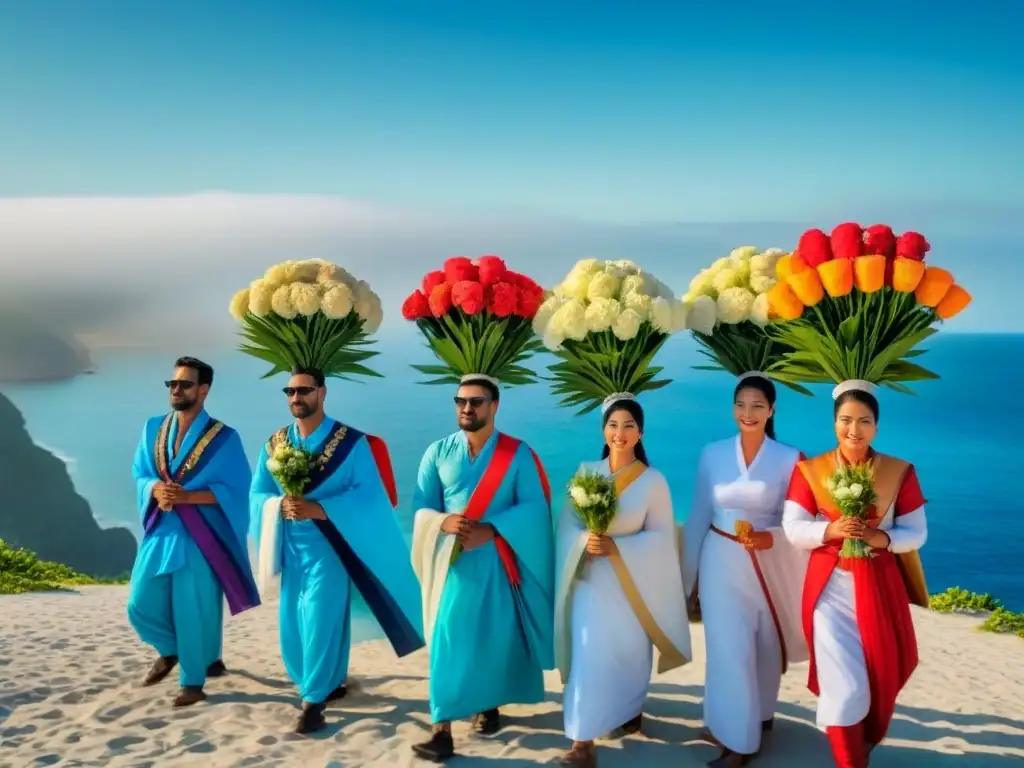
(605, 322)
(309, 314)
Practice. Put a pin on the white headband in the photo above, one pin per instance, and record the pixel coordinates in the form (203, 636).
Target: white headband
(479, 377)
(853, 384)
(615, 398)
(750, 375)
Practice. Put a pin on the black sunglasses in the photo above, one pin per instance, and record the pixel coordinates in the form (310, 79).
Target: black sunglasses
(303, 391)
(183, 384)
(472, 402)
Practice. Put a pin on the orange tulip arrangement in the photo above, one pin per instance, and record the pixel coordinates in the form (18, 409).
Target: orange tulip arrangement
(856, 303)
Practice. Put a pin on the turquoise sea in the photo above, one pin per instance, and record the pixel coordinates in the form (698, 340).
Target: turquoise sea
(959, 431)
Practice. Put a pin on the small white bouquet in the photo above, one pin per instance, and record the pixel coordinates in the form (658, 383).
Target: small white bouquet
(594, 500)
(290, 467)
(852, 488)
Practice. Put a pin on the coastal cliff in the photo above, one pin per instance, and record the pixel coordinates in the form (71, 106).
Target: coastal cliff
(31, 352)
(40, 509)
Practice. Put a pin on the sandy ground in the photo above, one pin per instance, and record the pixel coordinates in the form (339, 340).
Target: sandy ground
(70, 667)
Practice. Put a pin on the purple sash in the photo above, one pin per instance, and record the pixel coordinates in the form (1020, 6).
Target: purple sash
(220, 548)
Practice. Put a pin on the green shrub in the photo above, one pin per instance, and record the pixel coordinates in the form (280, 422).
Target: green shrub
(957, 600)
(21, 571)
(1003, 620)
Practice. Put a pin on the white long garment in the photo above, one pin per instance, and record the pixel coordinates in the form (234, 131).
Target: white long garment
(845, 695)
(744, 655)
(603, 651)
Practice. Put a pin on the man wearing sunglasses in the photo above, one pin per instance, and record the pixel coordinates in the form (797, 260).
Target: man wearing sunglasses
(484, 552)
(192, 480)
(341, 532)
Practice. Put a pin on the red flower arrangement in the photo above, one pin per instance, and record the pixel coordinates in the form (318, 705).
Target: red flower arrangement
(477, 318)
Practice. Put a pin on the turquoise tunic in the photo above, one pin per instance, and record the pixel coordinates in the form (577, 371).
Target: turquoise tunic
(176, 603)
(315, 608)
(490, 645)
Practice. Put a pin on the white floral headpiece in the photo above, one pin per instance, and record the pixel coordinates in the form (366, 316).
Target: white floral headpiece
(615, 398)
(853, 384)
(479, 377)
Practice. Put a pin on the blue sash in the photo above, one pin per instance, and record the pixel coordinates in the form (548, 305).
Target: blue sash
(400, 632)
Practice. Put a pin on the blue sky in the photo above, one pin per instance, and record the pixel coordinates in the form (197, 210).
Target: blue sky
(630, 111)
(642, 113)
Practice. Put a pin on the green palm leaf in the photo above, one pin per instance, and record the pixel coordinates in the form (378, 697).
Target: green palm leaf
(590, 369)
(870, 336)
(338, 347)
(742, 347)
(481, 343)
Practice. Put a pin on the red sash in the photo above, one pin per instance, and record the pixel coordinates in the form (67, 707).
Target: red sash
(383, 460)
(483, 495)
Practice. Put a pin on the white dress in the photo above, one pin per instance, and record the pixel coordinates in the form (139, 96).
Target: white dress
(602, 648)
(750, 605)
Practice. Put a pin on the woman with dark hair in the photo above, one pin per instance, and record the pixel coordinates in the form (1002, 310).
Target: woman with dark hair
(856, 610)
(620, 594)
(745, 574)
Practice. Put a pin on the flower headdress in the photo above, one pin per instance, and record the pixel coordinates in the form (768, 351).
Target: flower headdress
(476, 318)
(605, 322)
(309, 314)
(854, 305)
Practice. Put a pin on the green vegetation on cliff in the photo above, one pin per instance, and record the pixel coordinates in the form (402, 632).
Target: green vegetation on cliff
(998, 619)
(21, 571)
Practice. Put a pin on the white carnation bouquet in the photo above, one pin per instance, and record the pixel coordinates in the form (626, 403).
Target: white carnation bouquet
(290, 467)
(309, 314)
(594, 500)
(728, 312)
(605, 322)
(852, 488)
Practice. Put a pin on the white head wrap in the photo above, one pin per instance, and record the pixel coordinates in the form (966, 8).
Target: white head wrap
(615, 398)
(853, 384)
(750, 375)
(479, 377)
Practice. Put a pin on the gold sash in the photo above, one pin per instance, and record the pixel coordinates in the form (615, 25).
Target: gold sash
(670, 656)
(889, 474)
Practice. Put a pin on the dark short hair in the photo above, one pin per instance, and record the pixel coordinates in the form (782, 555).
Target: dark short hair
(314, 373)
(488, 385)
(858, 396)
(765, 386)
(204, 371)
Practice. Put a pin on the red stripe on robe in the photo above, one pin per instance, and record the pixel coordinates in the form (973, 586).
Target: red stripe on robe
(383, 461)
(910, 497)
(882, 608)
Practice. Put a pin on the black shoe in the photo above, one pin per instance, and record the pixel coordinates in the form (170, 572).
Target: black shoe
(487, 723)
(767, 725)
(161, 668)
(189, 695)
(728, 759)
(633, 726)
(217, 669)
(438, 749)
(338, 693)
(312, 719)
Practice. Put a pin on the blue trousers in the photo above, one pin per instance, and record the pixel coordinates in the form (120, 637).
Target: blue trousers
(181, 614)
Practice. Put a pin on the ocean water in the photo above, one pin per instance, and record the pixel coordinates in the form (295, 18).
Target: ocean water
(962, 433)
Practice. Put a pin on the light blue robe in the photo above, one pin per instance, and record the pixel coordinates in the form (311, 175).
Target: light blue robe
(176, 603)
(315, 607)
(483, 653)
